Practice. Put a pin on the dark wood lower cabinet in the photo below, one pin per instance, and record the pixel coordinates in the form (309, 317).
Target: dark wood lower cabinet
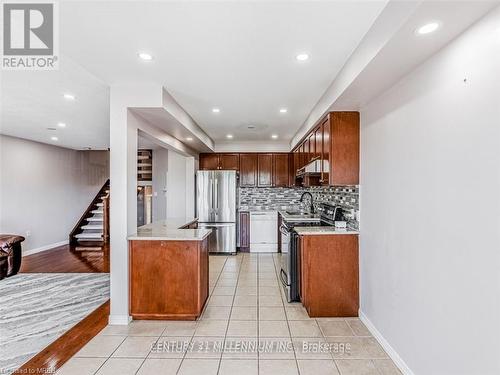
(244, 231)
(329, 275)
(168, 279)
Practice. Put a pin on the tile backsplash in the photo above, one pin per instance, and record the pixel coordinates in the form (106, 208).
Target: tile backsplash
(252, 199)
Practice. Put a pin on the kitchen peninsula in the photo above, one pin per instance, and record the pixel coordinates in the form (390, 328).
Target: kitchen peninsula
(168, 270)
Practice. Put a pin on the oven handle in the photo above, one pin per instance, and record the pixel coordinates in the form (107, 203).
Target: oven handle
(284, 230)
(285, 283)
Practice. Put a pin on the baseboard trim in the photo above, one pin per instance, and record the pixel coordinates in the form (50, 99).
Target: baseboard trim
(119, 320)
(398, 361)
(44, 248)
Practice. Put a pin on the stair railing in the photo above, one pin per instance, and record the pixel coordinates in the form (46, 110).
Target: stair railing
(105, 201)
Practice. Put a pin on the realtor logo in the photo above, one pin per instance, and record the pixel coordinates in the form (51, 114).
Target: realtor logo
(30, 35)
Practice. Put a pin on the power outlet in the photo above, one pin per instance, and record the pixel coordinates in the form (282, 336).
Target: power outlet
(28, 233)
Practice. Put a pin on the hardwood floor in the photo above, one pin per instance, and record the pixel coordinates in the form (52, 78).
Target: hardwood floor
(60, 351)
(66, 259)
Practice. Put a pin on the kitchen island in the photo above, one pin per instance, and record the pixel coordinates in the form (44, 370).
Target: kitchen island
(168, 271)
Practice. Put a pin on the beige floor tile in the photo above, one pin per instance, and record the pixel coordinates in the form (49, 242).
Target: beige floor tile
(160, 366)
(296, 313)
(358, 327)
(335, 328)
(101, 346)
(247, 283)
(223, 291)
(81, 366)
(244, 313)
(239, 366)
(227, 282)
(240, 348)
(146, 328)
(273, 328)
(122, 366)
(346, 347)
(246, 291)
(269, 291)
(276, 348)
(304, 328)
(277, 367)
(386, 367)
(267, 275)
(211, 328)
(242, 328)
(270, 301)
(216, 313)
(205, 347)
(317, 367)
(311, 348)
(135, 347)
(199, 367)
(220, 301)
(356, 367)
(245, 301)
(170, 347)
(268, 283)
(271, 313)
(373, 348)
(180, 328)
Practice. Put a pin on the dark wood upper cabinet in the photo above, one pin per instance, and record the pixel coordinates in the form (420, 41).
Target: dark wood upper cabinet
(312, 147)
(209, 161)
(281, 172)
(229, 161)
(265, 170)
(306, 159)
(318, 140)
(248, 170)
(325, 127)
(344, 157)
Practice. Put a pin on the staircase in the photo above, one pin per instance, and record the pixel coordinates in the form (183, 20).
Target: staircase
(91, 232)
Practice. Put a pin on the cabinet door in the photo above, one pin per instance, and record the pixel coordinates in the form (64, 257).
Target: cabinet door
(318, 140)
(244, 231)
(209, 161)
(306, 152)
(248, 170)
(325, 175)
(312, 147)
(281, 171)
(229, 161)
(265, 170)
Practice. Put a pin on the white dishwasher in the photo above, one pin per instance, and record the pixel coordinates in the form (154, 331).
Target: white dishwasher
(264, 232)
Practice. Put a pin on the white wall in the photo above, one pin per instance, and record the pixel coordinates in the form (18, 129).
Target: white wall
(178, 186)
(430, 205)
(45, 189)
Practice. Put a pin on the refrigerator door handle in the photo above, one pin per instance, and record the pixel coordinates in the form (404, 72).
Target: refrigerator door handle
(216, 193)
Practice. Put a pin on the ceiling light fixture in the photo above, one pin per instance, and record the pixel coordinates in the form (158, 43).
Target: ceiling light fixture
(229, 136)
(69, 96)
(215, 110)
(274, 136)
(427, 28)
(302, 57)
(61, 124)
(283, 110)
(251, 126)
(189, 139)
(54, 138)
(145, 56)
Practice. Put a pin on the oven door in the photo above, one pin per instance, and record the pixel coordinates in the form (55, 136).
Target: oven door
(285, 259)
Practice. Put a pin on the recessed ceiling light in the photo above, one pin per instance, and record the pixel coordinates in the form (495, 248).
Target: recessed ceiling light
(215, 110)
(274, 136)
(229, 136)
(69, 96)
(302, 57)
(54, 138)
(189, 139)
(61, 124)
(283, 110)
(427, 28)
(145, 56)
(251, 126)
(51, 129)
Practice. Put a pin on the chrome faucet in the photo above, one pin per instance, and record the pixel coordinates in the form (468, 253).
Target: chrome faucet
(312, 201)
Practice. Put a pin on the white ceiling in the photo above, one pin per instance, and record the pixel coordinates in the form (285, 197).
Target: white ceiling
(237, 56)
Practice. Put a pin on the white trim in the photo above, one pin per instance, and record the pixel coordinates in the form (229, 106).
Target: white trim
(44, 248)
(398, 361)
(119, 320)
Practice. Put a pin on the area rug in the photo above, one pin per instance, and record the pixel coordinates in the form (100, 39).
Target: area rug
(36, 309)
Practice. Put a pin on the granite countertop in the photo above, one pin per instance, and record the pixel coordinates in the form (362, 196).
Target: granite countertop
(301, 218)
(169, 229)
(304, 231)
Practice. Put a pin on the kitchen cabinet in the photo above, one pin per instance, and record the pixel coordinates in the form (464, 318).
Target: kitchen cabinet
(312, 147)
(325, 158)
(318, 141)
(306, 152)
(248, 170)
(281, 173)
(219, 161)
(264, 170)
(244, 229)
(329, 275)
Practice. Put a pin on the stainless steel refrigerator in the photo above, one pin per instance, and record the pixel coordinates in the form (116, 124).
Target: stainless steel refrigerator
(216, 208)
